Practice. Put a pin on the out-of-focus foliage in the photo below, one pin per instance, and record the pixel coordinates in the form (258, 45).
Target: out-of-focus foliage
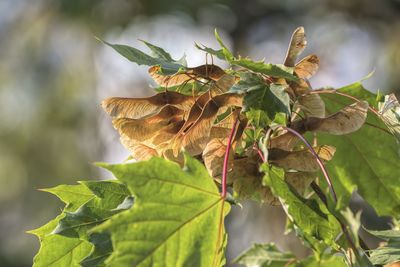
(48, 86)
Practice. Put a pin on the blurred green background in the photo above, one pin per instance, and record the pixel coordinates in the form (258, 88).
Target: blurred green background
(53, 75)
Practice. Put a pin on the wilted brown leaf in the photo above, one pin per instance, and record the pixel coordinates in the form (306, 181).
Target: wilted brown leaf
(136, 108)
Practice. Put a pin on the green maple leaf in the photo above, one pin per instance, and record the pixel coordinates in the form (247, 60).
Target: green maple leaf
(101, 251)
(326, 260)
(390, 252)
(107, 196)
(159, 57)
(263, 103)
(268, 255)
(59, 250)
(366, 160)
(311, 219)
(177, 218)
(64, 241)
(273, 70)
(263, 255)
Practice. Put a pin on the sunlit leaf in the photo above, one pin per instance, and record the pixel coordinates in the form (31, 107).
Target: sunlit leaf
(366, 160)
(314, 224)
(101, 251)
(218, 53)
(158, 52)
(273, 70)
(177, 218)
(262, 102)
(108, 195)
(263, 255)
(389, 252)
(135, 55)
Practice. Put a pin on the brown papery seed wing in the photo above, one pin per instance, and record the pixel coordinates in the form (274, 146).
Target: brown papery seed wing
(346, 121)
(136, 108)
(297, 45)
(213, 156)
(223, 84)
(143, 152)
(171, 80)
(312, 105)
(302, 160)
(196, 137)
(247, 181)
(307, 67)
(140, 130)
(208, 71)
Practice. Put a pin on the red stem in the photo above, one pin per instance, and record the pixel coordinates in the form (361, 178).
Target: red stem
(226, 158)
(319, 161)
(259, 152)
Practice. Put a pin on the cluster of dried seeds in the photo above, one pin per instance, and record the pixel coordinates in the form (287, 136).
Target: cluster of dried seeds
(171, 122)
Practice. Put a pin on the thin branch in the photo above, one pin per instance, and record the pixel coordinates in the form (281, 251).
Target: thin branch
(319, 161)
(333, 91)
(226, 158)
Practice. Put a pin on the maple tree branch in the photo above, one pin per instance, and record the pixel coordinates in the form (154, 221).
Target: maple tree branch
(226, 157)
(319, 161)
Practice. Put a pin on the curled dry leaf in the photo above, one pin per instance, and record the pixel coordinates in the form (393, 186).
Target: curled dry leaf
(208, 72)
(301, 160)
(297, 45)
(136, 108)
